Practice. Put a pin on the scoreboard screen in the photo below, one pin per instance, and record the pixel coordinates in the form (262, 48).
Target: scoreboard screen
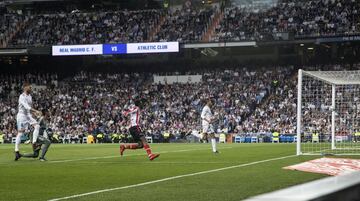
(121, 48)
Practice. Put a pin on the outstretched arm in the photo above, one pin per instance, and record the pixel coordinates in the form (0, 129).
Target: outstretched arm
(129, 111)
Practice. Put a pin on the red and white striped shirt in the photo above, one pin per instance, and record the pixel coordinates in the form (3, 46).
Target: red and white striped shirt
(134, 112)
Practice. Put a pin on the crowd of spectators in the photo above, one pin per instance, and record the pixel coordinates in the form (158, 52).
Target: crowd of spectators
(283, 20)
(278, 113)
(10, 23)
(90, 103)
(10, 84)
(256, 100)
(88, 28)
(298, 18)
(186, 24)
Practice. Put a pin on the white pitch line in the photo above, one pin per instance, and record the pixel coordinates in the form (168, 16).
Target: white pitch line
(170, 178)
(82, 159)
(160, 162)
(104, 157)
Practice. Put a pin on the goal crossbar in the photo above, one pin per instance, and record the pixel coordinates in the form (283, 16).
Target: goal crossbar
(336, 77)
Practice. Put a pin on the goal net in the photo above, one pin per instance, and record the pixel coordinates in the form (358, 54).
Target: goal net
(328, 111)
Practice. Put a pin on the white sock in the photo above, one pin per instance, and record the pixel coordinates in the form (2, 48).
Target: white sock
(18, 141)
(213, 144)
(35, 133)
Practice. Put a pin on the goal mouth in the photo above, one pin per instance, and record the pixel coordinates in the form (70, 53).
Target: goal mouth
(328, 113)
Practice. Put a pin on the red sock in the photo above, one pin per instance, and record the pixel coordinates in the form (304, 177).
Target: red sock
(147, 149)
(131, 146)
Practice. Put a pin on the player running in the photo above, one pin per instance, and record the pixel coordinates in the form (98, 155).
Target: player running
(207, 127)
(44, 138)
(134, 111)
(24, 117)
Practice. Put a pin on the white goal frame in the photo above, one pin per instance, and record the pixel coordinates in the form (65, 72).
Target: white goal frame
(335, 79)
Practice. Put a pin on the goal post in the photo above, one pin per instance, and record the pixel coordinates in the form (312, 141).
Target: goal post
(328, 113)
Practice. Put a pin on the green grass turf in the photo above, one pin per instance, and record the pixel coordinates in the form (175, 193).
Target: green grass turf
(76, 169)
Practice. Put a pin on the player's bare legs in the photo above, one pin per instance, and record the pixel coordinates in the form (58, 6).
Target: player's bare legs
(35, 133)
(204, 138)
(141, 144)
(213, 143)
(129, 146)
(18, 139)
(148, 149)
(17, 144)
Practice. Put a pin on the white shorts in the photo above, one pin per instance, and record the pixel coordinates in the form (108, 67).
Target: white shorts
(24, 121)
(207, 128)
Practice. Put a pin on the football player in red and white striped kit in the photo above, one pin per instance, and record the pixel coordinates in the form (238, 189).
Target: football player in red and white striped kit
(134, 111)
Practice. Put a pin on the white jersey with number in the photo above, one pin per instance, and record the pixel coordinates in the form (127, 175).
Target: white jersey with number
(25, 104)
(134, 112)
(206, 117)
(24, 117)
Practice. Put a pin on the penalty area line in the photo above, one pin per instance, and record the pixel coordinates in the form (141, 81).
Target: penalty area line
(170, 178)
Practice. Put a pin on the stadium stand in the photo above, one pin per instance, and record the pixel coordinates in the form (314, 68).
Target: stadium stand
(186, 25)
(247, 101)
(242, 54)
(301, 19)
(10, 24)
(92, 103)
(285, 20)
(91, 28)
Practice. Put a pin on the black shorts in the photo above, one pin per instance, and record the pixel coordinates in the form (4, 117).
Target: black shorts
(136, 133)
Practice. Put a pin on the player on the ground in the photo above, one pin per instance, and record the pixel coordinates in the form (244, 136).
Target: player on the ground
(24, 117)
(44, 138)
(207, 127)
(134, 111)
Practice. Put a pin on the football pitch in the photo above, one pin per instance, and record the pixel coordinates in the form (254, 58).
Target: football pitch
(182, 172)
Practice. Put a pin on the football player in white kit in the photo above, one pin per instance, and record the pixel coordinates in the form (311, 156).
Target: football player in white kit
(207, 127)
(24, 118)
